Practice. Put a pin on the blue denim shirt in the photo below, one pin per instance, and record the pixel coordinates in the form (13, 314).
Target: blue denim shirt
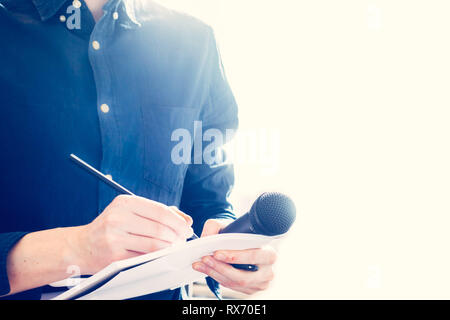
(113, 93)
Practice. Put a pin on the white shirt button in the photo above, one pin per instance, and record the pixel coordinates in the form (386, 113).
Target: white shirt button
(95, 45)
(109, 176)
(105, 108)
(76, 4)
(62, 18)
(115, 15)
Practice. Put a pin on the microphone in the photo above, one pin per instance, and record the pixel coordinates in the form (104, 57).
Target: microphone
(272, 214)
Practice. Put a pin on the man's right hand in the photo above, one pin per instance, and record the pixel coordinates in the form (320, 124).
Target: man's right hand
(128, 227)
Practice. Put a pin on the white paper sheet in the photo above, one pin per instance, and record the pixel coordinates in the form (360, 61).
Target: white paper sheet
(161, 270)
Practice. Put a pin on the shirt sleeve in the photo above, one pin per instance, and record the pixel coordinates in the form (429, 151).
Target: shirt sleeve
(7, 241)
(207, 185)
(221, 111)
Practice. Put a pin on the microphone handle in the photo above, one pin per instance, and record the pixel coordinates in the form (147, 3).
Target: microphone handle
(241, 225)
(245, 267)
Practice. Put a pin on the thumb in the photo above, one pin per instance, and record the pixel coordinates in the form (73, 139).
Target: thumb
(186, 217)
(213, 226)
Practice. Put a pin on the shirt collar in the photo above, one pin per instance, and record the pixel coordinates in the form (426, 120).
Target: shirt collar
(48, 8)
(124, 6)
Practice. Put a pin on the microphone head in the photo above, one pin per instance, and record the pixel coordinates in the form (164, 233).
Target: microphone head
(273, 213)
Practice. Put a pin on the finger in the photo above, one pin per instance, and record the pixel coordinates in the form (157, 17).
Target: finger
(240, 277)
(186, 217)
(142, 244)
(203, 268)
(140, 226)
(132, 254)
(224, 281)
(260, 256)
(225, 269)
(213, 226)
(155, 211)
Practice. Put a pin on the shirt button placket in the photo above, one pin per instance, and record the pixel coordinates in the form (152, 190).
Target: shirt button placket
(98, 48)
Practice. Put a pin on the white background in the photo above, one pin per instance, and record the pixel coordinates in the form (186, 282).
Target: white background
(359, 94)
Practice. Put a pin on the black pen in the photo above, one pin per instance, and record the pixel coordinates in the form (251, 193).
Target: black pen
(101, 176)
(109, 181)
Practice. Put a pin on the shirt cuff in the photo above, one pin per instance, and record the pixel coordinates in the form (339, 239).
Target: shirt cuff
(7, 241)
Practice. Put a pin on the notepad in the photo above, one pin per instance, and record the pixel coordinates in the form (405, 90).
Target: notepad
(165, 269)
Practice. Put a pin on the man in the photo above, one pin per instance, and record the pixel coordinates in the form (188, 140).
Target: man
(109, 81)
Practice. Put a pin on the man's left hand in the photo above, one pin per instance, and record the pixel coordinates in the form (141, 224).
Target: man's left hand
(218, 265)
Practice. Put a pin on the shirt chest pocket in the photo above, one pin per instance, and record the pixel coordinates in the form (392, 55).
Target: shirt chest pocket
(164, 145)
